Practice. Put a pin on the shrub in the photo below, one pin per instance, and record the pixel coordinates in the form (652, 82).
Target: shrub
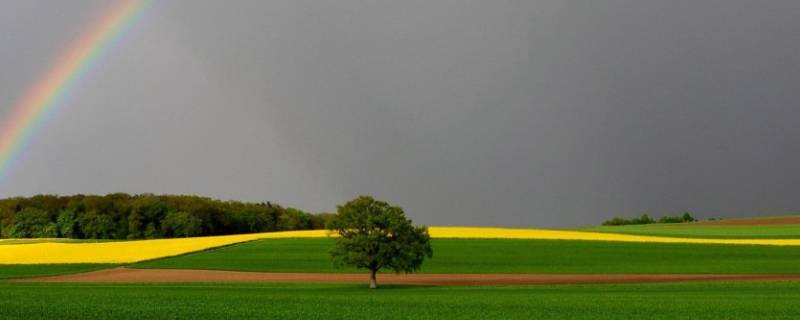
(645, 219)
(294, 219)
(67, 223)
(686, 217)
(617, 221)
(181, 224)
(33, 223)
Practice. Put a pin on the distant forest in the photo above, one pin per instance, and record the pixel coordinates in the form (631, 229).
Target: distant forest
(145, 216)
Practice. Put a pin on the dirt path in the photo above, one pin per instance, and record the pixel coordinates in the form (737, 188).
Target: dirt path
(126, 275)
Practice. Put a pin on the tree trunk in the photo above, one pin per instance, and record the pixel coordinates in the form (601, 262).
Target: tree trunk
(372, 282)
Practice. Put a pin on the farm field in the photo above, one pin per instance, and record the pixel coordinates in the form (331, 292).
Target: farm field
(462, 254)
(122, 252)
(37, 270)
(116, 252)
(742, 300)
(507, 256)
(777, 227)
(707, 231)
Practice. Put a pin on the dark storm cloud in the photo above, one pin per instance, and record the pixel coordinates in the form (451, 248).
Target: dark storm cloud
(534, 113)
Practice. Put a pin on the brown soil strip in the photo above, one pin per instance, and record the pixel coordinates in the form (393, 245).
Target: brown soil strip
(751, 222)
(126, 275)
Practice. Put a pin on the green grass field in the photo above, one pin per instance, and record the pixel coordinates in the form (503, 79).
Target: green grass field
(745, 300)
(693, 300)
(508, 256)
(38, 270)
(787, 231)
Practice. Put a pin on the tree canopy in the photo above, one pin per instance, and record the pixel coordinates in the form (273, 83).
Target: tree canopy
(375, 235)
(645, 219)
(144, 216)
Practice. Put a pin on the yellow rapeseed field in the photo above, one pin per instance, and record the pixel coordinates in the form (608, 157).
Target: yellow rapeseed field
(128, 251)
(545, 234)
(46, 252)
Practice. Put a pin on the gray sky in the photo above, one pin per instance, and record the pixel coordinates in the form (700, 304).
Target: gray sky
(544, 113)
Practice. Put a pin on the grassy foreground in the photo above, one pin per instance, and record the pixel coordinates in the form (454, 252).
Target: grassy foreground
(508, 256)
(689, 230)
(746, 300)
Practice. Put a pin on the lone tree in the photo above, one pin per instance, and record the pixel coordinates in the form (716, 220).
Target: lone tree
(374, 235)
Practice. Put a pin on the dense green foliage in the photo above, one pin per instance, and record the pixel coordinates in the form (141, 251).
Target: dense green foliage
(375, 235)
(783, 231)
(8, 271)
(745, 300)
(645, 219)
(508, 256)
(686, 217)
(146, 216)
(5, 242)
(617, 221)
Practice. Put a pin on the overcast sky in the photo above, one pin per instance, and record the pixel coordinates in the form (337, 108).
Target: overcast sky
(546, 113)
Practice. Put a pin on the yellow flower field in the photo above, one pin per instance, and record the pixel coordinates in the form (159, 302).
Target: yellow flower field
(128, 251)
(546, 234)
(46, 252)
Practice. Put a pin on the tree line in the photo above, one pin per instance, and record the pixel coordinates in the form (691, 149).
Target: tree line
(646, 219)
(145, 216)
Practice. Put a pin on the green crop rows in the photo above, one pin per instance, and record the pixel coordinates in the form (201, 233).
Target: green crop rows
(746, 300)
(508, 256)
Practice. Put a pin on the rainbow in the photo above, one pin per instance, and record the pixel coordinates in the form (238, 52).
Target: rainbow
(44, 96)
